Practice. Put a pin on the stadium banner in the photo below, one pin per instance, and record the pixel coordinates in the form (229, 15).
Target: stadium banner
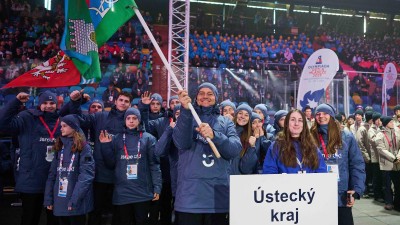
(389, 79)
(318, 73)
(283, 199)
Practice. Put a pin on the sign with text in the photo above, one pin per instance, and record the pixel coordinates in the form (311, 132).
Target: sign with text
(283, 199)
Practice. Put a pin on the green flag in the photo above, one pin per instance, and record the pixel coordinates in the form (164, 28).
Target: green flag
(79, 39)
(108, 16)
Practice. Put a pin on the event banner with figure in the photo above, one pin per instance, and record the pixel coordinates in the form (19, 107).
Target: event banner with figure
(389, 79)
(319, 71)
(283, 199)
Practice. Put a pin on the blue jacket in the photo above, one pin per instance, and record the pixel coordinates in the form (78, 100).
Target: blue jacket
(148, 179)
(351, 167)
(80, 181)
(273, 165)
(166, 147)
(203, 180)
(112, 121)
(34, 139)
(248, 163)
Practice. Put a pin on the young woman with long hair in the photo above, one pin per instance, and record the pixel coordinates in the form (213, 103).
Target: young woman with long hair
(69, 191)
(294, 150)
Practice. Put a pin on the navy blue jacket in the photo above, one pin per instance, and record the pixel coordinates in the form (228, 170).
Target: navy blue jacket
(34, 162)
(112, 121)
(203, 180)
(166, 147)
(351, 167)
(247, 164)
(273, 164)
(80, 181)
(148, 181)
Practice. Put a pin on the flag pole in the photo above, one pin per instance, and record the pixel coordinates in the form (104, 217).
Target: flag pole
(170, 71)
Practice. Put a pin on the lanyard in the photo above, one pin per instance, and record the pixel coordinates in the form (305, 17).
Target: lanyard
(323, 146)
(51, 133)
(300, 164)
(69, 169)
(138, 146)
(387, 139)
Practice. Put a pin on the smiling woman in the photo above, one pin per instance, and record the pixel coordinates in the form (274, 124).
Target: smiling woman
(294, 150)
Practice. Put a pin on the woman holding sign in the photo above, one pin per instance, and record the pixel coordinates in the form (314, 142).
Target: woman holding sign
(294, 150)
(69, 191)
(343, 157)
(137, 174)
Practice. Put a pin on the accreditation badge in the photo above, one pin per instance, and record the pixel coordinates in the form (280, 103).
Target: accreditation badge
(49, 153)
(63, 187)
(131, 171)
(333, 168)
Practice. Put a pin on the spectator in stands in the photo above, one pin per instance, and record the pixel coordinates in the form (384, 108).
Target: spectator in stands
(110, 95)
(159, 19)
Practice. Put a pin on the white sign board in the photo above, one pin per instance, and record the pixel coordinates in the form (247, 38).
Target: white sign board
(281, 199)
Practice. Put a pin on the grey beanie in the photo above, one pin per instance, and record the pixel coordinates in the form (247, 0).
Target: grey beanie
(210, 86)
(326, 108)
(244, 107)
(228, 103)
(133, 111)
(156, 97)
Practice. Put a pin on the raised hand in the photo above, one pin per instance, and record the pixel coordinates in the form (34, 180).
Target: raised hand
(146, 98)
(184, 98)
(105, 137)
(75, 95)
(23, 97)
(172, 124)
(252, 141)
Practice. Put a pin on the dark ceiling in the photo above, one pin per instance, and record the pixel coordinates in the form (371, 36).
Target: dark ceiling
(384, 6)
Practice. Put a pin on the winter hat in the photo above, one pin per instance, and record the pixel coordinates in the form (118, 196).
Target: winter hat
(326, 108)
(132, 111)
(338, 117)
(263, 109)
(351, 117)
(244, 107)
(359, 112)
(278, 115)
(97, 101)
(210, 86)
(254, 116)
(156, 97)
(173, 97)
(376, 116)
(397, 107)
(385, 120)
(176, 108)
(368, 115)
(369, 108)
(47, 96)
(71, 121)
(228, 103)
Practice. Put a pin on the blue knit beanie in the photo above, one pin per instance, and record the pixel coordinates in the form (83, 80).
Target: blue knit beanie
(210, 86)
(47, 96)
(71, 121)
(157, 97)
(263, 109)
(97, 101)
(244, 107)
(326, 108)
(254, 116)
(132, 111)
(228, 103)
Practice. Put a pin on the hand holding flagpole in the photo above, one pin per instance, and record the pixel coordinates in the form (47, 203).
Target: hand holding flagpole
(176, 81)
